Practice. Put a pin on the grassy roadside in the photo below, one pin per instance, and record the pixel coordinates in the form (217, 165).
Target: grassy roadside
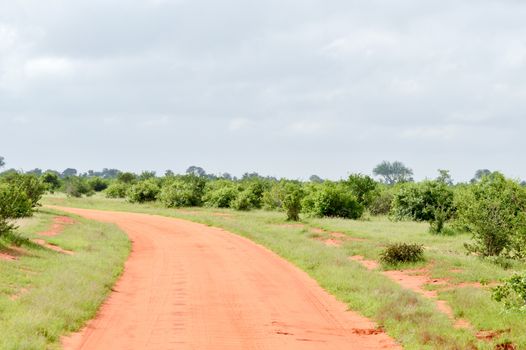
(408, 317)
(45, 294)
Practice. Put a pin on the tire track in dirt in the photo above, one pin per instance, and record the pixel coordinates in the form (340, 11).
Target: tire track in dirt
(190, 286)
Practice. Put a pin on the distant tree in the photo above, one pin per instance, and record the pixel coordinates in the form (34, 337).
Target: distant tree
(36, 171)
(479, 174)
(251, 176)
(126, 177)
(110, 173)
(227, 176)
(51, 180)
(169, 173)
(195, 170)
(145, 175)
(315, 179)
(392, 173)
(444, 177)
(2, 162)
(69, 172)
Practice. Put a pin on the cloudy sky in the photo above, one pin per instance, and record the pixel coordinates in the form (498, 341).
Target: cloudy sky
(285, 88)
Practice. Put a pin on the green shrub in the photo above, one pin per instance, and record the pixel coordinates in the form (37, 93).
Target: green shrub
(494, 211)
(75, 186)
(220, 193)
(127, 177)
(293, 195)
(117, 190)
(97, 184)
(402, 253)
(143, 191)
(51, 180)
(512, 293)
(331, 199)
(363, 187)
(28, 183)
(183, 191)
(244, 200)
(431, 201)
(14, 204)
(381, 203)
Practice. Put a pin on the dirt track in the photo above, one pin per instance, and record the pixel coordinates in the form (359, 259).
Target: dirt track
(189, 286)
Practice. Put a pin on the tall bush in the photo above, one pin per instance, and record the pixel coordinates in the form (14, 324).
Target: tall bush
(430, 201)
(331, 199)
(14, 204)
(143, 191)
(183, 191)
(494, 211)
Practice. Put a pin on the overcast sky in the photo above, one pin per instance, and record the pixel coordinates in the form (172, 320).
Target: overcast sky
(285, 88)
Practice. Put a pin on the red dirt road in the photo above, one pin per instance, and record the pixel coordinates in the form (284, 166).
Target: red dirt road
(190, 286)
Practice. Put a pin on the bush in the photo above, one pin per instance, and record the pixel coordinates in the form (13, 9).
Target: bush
(27, 183)
(97, 184)
(250, 196)
(183, 191)
(293, 194)
(494, 211)
(220, 194)
(144, 191)
(381, 204)
(363, 187)
(51, 180)
(76, 187)
(402, 253)
(512, 293)
(331, 199)
(431, 201)
(14, 204)
(117, 190)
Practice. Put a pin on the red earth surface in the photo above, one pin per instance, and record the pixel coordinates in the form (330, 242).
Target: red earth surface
(190, 286)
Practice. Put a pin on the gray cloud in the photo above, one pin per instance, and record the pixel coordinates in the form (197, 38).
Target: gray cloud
(285, 88)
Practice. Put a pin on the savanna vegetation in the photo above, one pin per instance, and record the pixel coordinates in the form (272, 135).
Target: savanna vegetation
(472, 235)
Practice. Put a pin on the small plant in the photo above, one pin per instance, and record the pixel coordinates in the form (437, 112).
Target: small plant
(402, 253)
(512, 293)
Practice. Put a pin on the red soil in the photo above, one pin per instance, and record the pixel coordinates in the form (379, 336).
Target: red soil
(416, 280)
(190, 286)
(52, 246)
(58, 226)
(5, 256)
(369, 264)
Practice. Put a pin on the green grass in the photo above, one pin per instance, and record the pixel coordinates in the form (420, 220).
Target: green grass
(410, 318)
(45, 294)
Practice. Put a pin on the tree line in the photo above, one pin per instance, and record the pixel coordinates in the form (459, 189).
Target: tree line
(491, 207)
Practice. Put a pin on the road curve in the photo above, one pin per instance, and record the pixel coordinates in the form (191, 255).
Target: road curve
(190, 286)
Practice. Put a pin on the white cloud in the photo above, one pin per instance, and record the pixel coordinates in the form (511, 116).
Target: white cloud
(239, 124)
(49, 67)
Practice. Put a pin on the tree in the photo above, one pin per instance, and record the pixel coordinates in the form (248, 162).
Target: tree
(145, 175)
(479, 174)
(127, 177)
(444, 177)
(315, 179)
(392, 173)
(69, 172)
(363, 187)
(494, 211)
(2, 162)
(51, 180)
(196, 171)
(430, 201)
